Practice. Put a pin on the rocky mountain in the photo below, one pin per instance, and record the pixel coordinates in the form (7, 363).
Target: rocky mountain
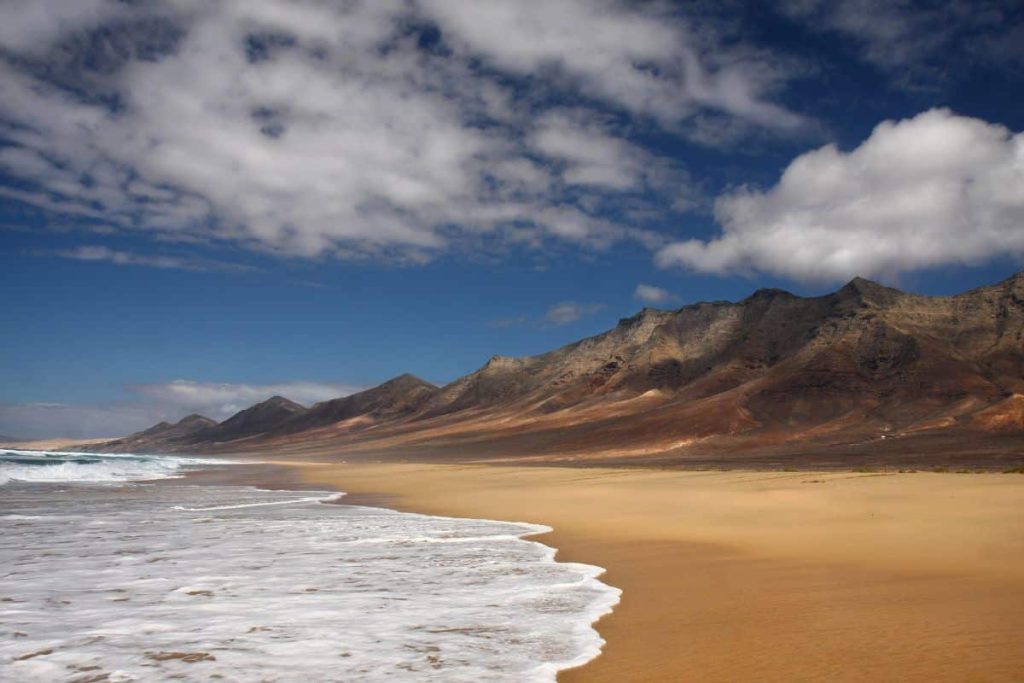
(159, 437)
(867, 373)
(268, 416)
(396, 398)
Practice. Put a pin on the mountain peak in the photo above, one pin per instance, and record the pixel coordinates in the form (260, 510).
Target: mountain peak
(867, 291)
(194, 419)
(281, 402)
(768, 293)
(501, 362)
(1015, 280)
(644, 314)
(257, 419)
(397, 397)
(406, 379)
(862, 284)
(273, 406)
(775, 361)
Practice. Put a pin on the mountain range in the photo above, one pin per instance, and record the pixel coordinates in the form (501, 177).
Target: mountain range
(865, 376)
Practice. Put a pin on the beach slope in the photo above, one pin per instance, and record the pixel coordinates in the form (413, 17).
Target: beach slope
(766, 576)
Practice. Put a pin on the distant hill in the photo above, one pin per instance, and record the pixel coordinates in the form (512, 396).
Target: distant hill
(867, 374)
(396, 398)
(268, 416)
(158, 438)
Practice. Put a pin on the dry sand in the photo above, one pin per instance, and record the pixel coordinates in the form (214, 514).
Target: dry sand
(762, 576)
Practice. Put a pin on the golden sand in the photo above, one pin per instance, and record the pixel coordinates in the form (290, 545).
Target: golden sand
(763, 576)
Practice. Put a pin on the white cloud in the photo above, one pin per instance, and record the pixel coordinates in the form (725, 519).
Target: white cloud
(220, 401)
(153, 403)
(590, 155)
(30, 23)
(569, 312)
(556, 315)
(312, 128)
(920, 44)
(646, 62)
(933, 190)
(652, 295)
(127, 258)
(513, 321)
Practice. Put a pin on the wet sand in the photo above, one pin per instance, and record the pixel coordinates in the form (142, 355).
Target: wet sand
(760, 576)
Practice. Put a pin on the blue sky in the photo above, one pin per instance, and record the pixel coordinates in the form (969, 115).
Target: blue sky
(202, 205)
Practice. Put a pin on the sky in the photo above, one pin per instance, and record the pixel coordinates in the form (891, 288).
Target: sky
(203, 204)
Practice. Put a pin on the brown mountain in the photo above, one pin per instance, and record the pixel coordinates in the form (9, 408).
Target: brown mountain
(396, 398)
(867, 375)
(156, 437)
(268, 416)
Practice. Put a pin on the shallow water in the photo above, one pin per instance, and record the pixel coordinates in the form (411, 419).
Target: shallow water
(146, 582)
(73, 467)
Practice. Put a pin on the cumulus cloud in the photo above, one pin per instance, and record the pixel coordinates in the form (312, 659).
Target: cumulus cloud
(153, 403)
(384, 129)
(932, 190)
(569, 312)
(652, 295)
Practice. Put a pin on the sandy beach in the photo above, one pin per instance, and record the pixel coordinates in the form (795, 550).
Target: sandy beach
(759, 576)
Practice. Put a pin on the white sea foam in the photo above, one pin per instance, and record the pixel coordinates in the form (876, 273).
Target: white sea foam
(71, 466)
(239, 506)
(191, 582)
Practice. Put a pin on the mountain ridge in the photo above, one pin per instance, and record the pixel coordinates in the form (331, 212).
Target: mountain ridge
(774, 372)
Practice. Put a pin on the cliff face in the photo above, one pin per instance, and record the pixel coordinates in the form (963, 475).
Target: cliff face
(773, 371)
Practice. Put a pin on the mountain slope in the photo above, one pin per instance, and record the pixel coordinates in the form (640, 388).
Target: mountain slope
(153, 439)
(393, 399)
(865, 370)
(261, 418)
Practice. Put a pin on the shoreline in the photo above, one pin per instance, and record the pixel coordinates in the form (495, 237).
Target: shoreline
(740, 574)
(752, 575)
(289, 476)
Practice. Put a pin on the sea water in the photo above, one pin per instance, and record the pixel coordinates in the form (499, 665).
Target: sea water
(121, 581)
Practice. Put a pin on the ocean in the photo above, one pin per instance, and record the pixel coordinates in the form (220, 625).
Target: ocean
(108, 576)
